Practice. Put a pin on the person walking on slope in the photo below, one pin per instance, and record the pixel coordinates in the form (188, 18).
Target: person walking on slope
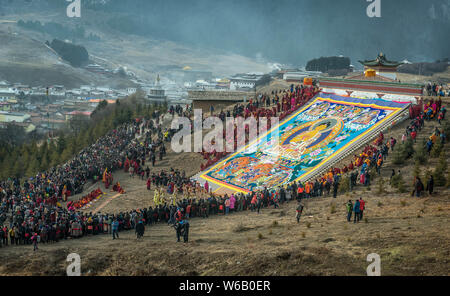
(182, 226)
(335, 189)
(419, 187)
(35, 240)
(258, 203)
(362, 207)
(299, 211)
(349, 206)
(430, 185)
(140, 229)
(356, 209)
(115, 228)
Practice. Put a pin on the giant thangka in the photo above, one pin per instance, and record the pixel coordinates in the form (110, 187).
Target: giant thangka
(321, 130)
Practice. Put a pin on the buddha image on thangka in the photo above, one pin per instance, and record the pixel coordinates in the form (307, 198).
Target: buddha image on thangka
(234, 167)
(255, 174)
(302, 144)
(367, 117)
(318, 109)
(315, 111)
(344, 111)
(305, 138)
(279, 176)
(250, 172)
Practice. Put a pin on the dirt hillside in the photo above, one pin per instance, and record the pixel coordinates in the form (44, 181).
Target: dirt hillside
(410, 234)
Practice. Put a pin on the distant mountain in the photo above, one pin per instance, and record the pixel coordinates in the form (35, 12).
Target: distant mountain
(30, 61)
(234, 35)
(286, 31)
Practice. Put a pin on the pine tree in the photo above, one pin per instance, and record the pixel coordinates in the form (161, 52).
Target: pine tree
(61, 144)
(448, 180)
(401, 185)
(55, 158)
(399, 155)
(436, 150)
(344, 184)
(66, 155)
(381, 183)
(420, 154)
(32, 168)
(45, 162)
(440, 171)
(18, 168)
(416, 170)
(409, 148)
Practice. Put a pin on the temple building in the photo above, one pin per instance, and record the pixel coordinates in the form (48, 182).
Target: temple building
(381, 64)
(157, 94)
(379, 80)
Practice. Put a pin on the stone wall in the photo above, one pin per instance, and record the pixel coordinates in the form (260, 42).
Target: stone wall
(206, 105)
(234, 96)
(219, 99)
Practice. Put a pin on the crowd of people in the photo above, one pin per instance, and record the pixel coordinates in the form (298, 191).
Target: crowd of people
(437, 90)
(32, 212)
(357, 210)
(34, 208)
(437, 136)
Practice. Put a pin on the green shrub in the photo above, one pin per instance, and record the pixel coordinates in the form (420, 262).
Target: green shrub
(436, 150)
(397, 182)
(344, 185)
(401, 187)
(408, 148)
(403, 152)
(380, 186)
(416, 172)
(398, 157)
(420, 154)
(440, 171)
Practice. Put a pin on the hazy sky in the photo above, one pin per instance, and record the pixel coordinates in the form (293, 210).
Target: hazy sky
(294, 31)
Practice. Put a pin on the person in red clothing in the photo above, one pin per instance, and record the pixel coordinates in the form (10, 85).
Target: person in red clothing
(413, 135)
(188, 210)
(207, 186)
(253, 203)
(35, 241)
(362, 205)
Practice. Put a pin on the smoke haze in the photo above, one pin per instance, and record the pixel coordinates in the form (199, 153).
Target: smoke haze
(285, 31)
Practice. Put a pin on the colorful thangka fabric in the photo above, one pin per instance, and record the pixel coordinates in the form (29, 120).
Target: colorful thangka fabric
(306, 141)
